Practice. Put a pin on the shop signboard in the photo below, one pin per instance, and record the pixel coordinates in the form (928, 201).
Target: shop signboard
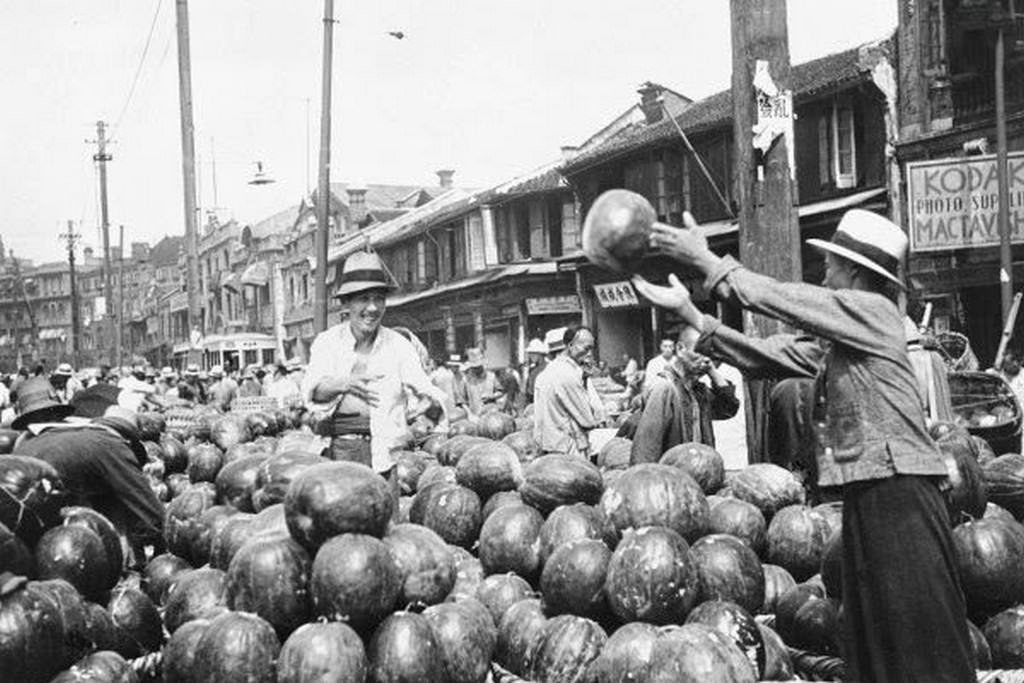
(616, 295)
(550, 305)
(954, 203)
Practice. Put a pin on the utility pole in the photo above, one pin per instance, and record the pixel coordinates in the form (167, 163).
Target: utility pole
(120, 300)
(101, 157)
(72, 237)
(33, 325)
(1003, 174)
(188, 167)
(324, 186)
(769, 229)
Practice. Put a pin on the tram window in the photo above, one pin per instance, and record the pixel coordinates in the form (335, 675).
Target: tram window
(250, 356)
(268, 356)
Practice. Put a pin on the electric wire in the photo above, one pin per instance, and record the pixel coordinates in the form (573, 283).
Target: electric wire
(138, 69)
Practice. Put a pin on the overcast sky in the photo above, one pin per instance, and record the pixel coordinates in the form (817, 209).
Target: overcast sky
(490, 89)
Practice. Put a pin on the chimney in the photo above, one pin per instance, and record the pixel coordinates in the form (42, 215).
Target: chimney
(445, 176)
(650, 101)
(115, 253)
(569, 151)
(356, 204)
(140, 251)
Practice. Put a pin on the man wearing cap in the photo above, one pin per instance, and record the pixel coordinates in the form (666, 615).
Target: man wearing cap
(904, 612)
(96, 460)
(447, 377)
(362, 373)
(536, 361)
(64, 382)
(482, 388)
(562, 411)
(223, 390)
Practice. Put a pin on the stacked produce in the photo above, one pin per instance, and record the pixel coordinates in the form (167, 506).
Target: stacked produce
(284, 566)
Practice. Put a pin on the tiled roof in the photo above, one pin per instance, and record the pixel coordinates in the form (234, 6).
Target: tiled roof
(544, 179)
(806, 80)
(382, 196)
(282, 221)
(165, 252)
(383, 215)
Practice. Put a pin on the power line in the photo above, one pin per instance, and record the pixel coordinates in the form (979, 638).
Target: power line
(138, 69)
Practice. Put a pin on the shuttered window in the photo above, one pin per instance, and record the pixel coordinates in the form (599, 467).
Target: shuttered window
(475, 233)
(538, 234)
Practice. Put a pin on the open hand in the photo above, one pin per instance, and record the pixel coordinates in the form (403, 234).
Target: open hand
(359, 387)
(675, 297)
(688, 244)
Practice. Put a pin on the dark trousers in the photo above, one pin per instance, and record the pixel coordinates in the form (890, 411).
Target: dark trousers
(904, 616)
(350, 450)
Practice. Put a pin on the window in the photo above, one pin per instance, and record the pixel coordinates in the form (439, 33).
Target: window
(521, 218)
(305, 288)
(421, 260)
(844, 145)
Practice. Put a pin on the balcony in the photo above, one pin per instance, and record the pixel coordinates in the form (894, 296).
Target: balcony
(974, 95)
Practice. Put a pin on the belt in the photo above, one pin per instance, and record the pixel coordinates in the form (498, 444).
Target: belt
(355, 437)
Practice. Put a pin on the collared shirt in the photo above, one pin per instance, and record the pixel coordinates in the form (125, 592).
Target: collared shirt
(333, 355)
(652, 373)
(562, 413)
(869, 421)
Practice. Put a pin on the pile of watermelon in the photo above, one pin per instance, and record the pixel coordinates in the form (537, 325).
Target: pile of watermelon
(284, 566)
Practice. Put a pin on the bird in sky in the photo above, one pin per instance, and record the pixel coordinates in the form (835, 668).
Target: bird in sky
(397, 34)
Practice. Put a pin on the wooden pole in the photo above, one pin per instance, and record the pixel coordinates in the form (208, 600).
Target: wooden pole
(188, 168)
(102, 158)
(1002, 171)
(769, 230)
(324, 184)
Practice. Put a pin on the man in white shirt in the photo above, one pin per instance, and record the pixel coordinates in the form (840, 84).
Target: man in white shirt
(362, 373)
(658, 363)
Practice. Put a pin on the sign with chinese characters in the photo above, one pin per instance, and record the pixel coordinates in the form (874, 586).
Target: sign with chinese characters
(954, 203)
(548, 305)
(616, 295)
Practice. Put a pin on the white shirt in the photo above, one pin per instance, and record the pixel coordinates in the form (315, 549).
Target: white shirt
(654, 368)
(283, 389)
(393, 357)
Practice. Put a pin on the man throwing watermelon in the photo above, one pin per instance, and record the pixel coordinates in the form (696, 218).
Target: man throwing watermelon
(904, 612)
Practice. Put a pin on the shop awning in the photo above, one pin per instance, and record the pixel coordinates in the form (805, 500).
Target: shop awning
(257, 274)
(231, 281)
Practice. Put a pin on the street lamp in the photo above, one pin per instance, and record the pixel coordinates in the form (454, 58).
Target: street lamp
(260, 177)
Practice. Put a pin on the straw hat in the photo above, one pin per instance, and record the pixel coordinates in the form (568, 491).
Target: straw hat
(362, 272)
(293, 365)
(64, 369)
(555, 339)
(217, 371)
(37, 402)
(537, 346)
(454, 360)
(869, 240)
(167, 372)
(191, 370)
(474, 358)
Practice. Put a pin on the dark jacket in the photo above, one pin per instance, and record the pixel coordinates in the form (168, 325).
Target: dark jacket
(680, 410)
(100, 471)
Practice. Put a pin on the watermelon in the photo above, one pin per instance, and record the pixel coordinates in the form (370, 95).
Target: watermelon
(436, 474)
(519, 633)
(15, 556)
(650, 578)
(656, 495)
(450, 510)
(356, 579)
(276, 473)
(815, 627)
(270, 578)
(993, 511)
(99, 625)
(426, 566)
(74, 619)
(177, 484)
(409, 466)
(495, 425)
(776, 582)
(790, 602)
(237, 647)
(615, 454)
(554, 480)
(174, 454)
(767, 486)
(433, 443)
(616, 233)
(137, 626)
(403, 648)
(568, 645)
(967, 494)
(569, 523)
(337, 498)
(498, 500)
(204, 462)
(229, 430)
(196, 594)
(99, 666)
(735, 623)
(210, 523)
(832, 513)
(160, 573)
(627, 654)
(510, 541)
(322, 652)
(181, 523)
(179, 655)
(979, 647)
(91, 519)
(31, 649)
(573, 579)
(797, 536)
(466, 636)
(229, 538)
(75, 554)
(989, 553)
(778, 666)
(832, 567)
(727, 569)
(454, 448)
(469, 574)
(742, 520)
(696, 652)
(700, 461)
(525, 446)
(1004, 480)
(31, 496)
(236, 482)
(500, 591)
(489, 468)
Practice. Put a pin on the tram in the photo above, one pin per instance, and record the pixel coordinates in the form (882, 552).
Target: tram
(231, 351)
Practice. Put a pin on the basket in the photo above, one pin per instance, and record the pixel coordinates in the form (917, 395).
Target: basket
(975, 394)
(180, 418)
(254, 404)
(957, 352)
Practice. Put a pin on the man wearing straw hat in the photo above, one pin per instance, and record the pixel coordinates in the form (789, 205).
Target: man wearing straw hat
(362, 372)
(904, 617)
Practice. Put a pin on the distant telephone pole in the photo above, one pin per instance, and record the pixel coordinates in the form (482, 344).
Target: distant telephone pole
(188, 167)
(120, 301)
(72, 237)
(323, 210)
(102, 157)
